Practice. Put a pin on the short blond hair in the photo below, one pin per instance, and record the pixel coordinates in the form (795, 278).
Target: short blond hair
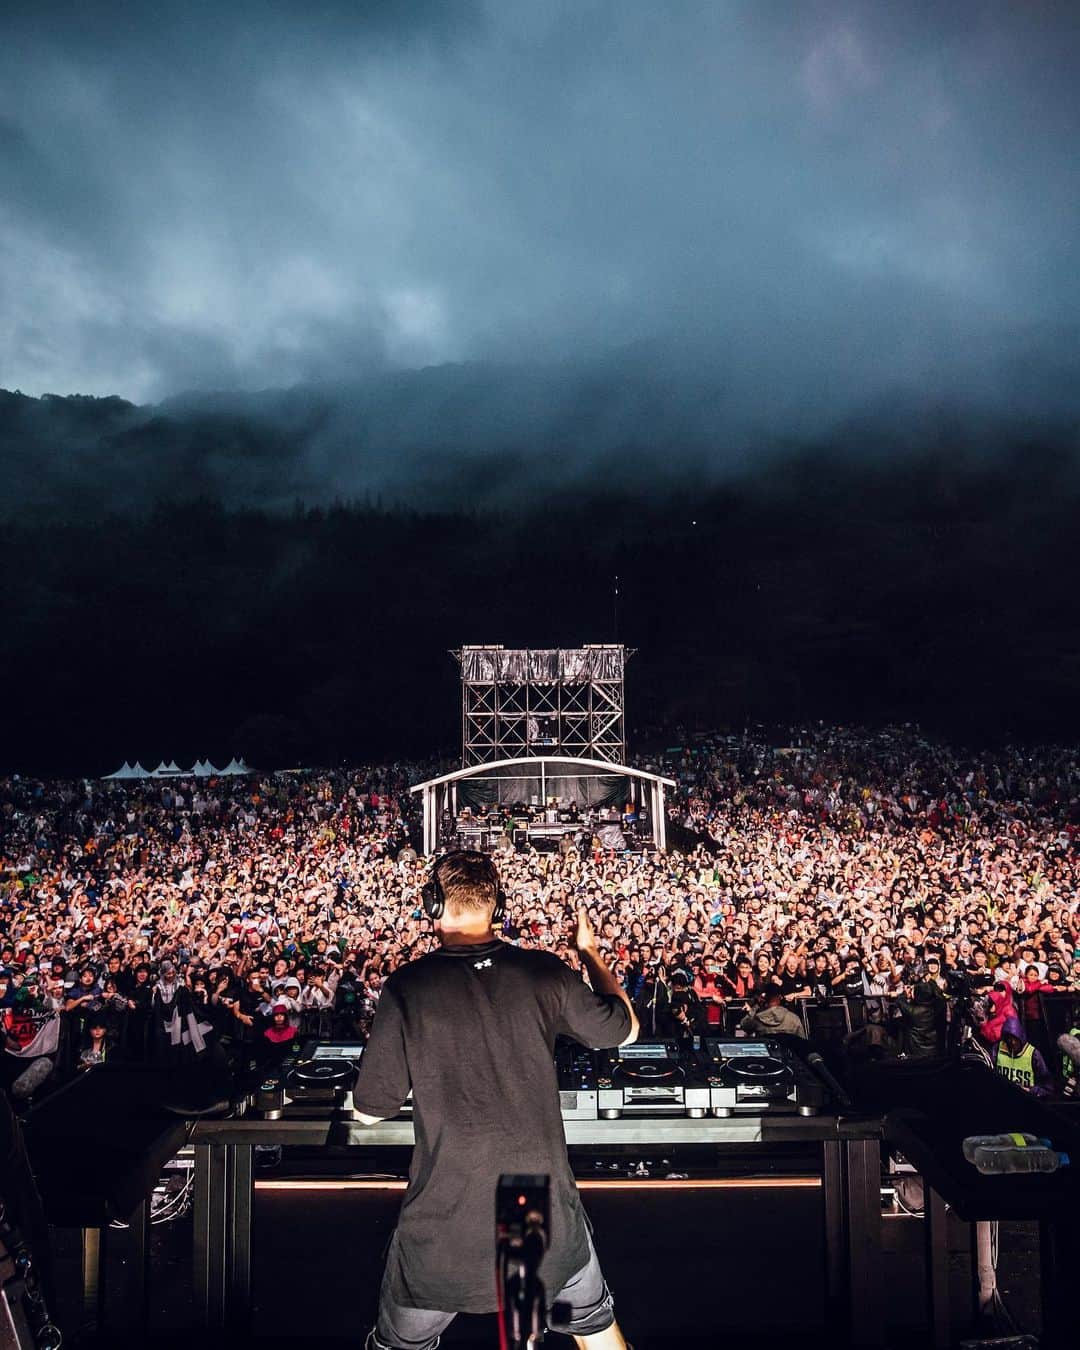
(469, 881)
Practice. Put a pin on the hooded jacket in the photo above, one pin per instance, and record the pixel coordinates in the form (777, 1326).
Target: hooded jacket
(1002, 1003)
(1044, 1083)
(777, 1021)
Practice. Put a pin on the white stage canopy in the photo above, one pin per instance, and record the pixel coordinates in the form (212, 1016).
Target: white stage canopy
(542, 776)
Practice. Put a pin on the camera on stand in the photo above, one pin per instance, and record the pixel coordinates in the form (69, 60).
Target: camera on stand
(522, 1221)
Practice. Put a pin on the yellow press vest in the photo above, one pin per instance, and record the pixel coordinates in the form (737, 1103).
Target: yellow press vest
(1018, 1068)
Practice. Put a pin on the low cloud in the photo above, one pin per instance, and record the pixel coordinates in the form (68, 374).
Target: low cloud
(800, 211)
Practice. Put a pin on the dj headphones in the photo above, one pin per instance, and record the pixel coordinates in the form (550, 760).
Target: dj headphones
(432, 892)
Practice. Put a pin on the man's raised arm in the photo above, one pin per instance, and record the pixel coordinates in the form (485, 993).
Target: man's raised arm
(600, 977)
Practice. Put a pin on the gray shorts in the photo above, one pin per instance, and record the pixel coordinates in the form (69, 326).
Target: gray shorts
(588, 1309)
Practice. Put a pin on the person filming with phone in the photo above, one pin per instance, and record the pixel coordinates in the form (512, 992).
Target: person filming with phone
(470, 1029)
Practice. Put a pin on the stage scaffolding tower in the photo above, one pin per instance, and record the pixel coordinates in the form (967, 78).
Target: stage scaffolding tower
(549, 701)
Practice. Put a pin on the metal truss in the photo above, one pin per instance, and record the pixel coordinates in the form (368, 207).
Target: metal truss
(528, 701)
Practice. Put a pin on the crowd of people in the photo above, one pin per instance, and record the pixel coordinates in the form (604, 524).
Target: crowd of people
(931, 887)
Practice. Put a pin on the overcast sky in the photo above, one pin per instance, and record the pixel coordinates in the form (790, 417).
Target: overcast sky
(821, 196)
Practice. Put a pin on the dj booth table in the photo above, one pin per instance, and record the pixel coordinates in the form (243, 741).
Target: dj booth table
(849, 1160)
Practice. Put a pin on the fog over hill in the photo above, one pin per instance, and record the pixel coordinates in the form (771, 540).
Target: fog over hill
(480, 435)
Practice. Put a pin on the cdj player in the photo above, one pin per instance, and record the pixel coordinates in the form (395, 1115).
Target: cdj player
(755, 1077)
(663, 1078)
(322, 1079)
(319, 1084)
(651, 1078)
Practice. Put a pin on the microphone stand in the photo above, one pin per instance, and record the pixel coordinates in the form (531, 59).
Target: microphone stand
(523, 1293)
(522, 1221)
(658, 980)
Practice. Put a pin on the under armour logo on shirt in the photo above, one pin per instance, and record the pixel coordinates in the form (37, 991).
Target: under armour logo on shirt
(480, 965)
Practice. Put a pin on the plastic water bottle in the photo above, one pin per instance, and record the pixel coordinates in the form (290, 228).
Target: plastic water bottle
(1010, 1139)
(1034, 1158)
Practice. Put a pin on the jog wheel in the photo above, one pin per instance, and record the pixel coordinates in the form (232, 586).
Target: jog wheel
(649, 1071)
(763, 1070)
(324, 1073)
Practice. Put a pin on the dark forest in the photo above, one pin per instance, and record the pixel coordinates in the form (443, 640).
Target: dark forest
(939, 588)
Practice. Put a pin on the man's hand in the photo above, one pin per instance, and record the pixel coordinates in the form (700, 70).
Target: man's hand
(584, 938)
(600, 977)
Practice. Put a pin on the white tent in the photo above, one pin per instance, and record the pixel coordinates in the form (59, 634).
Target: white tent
(127, 771)
(234, 767)
(204, 769)
(170, 770)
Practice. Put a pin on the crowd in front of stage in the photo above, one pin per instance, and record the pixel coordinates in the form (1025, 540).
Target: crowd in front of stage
(173, 918)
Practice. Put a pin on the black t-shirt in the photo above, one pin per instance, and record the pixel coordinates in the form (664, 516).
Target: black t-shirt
(820, 985)
(792, 984)
(472, 1030)
(851, 986)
